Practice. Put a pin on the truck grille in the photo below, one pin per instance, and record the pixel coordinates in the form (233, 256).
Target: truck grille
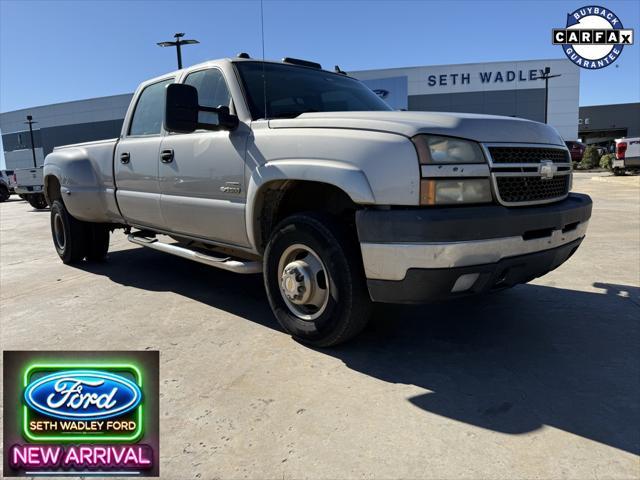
(528, 155)
(521, 173)
(532, 189)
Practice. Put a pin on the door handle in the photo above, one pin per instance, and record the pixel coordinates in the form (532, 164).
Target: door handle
(166, 156)
(125, 157)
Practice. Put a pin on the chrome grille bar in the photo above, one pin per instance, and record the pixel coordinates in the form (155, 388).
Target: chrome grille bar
(516, 183)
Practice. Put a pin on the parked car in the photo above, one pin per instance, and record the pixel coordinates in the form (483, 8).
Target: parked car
(309, 177)
(6, 185)
(29, 185)
(627, 155)
(576, 149)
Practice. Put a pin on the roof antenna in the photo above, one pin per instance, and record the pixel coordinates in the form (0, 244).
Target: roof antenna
(264, 77)
(337, 70)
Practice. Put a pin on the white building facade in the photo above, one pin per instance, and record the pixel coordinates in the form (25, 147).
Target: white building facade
(498, 88)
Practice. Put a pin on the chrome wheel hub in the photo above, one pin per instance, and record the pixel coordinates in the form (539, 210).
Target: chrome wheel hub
(304, 282)
(296, 282)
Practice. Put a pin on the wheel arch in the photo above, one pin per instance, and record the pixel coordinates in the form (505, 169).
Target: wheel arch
(52, 188)
(79, 177)
(281, 188)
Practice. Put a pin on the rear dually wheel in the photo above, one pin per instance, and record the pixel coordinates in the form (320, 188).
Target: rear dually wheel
(75, 240)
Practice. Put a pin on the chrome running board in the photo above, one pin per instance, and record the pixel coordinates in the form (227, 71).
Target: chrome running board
(224, 263)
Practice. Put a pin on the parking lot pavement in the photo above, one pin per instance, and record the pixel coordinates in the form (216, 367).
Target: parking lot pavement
(541, 381)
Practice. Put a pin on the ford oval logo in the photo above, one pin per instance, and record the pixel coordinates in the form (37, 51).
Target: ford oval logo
(82, 395)
(381, 92)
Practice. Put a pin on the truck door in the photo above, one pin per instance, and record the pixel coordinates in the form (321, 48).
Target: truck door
(202, 173)
(137, 158)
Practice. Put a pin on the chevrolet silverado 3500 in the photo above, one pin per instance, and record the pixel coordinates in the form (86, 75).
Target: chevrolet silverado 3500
(309, 177)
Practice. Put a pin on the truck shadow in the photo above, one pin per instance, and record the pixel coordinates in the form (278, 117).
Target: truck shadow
(512, 362)
(517, 361)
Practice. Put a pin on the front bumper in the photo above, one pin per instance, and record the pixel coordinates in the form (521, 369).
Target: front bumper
(428, 254)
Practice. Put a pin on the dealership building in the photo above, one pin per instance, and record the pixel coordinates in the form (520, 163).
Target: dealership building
(59, 124)
(499, 88)
(601, 123)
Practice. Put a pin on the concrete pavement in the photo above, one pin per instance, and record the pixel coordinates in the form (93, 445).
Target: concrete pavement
(541, 381)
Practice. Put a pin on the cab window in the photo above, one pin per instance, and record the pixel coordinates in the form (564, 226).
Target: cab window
(212, 91)
(149, 112)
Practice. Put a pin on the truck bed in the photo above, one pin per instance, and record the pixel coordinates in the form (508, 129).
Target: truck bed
(90, 196)
(102, 143)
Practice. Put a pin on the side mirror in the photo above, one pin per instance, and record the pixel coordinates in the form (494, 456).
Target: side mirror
(226, 120)
(182, 109)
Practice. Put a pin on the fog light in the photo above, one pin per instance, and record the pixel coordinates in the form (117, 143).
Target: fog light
(465, 282)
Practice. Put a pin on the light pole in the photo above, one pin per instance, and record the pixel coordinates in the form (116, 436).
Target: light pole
(30, 122)
(546, 76)
(177, 43)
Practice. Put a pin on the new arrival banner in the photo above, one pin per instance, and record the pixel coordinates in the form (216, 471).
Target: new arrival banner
(81, 413)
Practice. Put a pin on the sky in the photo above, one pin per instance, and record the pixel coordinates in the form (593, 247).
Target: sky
(57, 51)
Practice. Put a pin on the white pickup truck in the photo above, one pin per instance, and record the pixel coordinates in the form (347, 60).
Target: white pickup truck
(627, 155)
(28, 183)
(308, 176)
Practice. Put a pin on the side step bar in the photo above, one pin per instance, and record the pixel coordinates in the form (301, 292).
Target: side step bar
(224, 263)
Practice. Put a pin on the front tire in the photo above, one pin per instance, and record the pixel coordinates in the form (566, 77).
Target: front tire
(315, 281)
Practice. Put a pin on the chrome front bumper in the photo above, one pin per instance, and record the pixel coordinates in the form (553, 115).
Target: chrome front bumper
(418, 255)
(390, 261)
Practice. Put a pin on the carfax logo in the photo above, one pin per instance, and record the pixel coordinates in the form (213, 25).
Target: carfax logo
(593, 37)
(85, 415)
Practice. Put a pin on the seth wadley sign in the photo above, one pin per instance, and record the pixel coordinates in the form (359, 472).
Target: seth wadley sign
(507, 76)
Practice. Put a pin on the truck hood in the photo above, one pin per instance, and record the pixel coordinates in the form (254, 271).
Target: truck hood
(481, 128)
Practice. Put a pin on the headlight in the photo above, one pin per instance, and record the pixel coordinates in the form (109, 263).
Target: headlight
(453, 192)
(433, 149)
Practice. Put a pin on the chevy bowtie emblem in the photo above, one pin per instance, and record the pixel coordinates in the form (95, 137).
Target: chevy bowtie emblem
(547, 169)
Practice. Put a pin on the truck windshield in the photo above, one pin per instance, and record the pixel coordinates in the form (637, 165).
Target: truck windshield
(293, 90)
